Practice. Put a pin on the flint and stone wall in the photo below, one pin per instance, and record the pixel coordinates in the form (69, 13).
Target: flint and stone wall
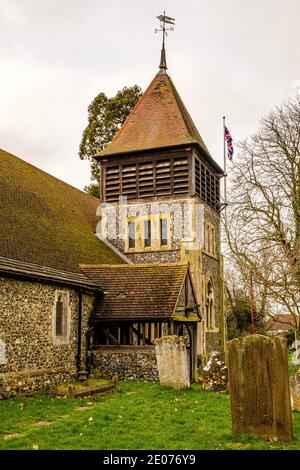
(128, 363)
(154, 256)
(212, 341)
(26, 322)
(211, 267)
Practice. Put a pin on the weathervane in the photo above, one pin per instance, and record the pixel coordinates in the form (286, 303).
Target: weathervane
(163, 20)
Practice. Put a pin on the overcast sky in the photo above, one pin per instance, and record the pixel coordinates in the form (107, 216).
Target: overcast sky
(240, 58)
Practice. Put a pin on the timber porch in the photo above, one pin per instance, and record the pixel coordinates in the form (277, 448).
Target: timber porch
(161, 303)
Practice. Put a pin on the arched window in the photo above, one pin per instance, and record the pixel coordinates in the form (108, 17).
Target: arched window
(210, 305)
(210, 246)
(61, 318)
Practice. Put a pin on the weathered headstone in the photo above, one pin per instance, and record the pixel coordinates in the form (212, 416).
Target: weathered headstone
(173, 362)
(295, 391)
(115, 380)
(259, 387)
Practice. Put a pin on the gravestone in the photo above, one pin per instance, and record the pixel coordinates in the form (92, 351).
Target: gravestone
(173, 362)
(295, 391)
(259, 387)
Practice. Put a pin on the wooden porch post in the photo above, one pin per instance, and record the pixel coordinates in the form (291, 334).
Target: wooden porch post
(194, 352)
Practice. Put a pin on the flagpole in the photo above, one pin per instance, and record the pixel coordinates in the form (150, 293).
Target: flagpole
(225, 165)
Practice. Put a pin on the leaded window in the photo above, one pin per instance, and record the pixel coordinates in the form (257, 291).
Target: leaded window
(131, 234)
(163, 231)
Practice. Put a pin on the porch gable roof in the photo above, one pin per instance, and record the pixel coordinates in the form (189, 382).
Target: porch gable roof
(137, 292)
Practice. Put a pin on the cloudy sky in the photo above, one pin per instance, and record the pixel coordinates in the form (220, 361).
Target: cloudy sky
(233, 57)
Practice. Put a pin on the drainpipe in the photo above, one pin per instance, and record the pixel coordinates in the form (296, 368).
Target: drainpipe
(79, 317)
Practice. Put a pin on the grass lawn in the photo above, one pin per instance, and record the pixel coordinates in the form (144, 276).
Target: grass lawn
(136, 416)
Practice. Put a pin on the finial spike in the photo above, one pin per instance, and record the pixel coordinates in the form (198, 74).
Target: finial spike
(163, 20)
(163, 60)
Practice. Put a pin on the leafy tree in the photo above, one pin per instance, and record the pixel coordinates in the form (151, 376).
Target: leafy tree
(239, 318)
(290, 337)
(105, 117)
(247, 305)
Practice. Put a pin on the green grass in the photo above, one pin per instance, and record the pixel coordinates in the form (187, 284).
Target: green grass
(136, 416)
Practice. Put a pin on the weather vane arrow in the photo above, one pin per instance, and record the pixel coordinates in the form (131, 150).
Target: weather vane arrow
(163, 21)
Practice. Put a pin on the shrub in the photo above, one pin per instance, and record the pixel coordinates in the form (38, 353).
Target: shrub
(215, 374)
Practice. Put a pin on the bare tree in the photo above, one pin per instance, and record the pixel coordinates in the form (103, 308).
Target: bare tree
(243, 292)
(262, 225)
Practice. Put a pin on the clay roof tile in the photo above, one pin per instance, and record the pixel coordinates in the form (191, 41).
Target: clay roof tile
(137, 291)
(159, 119)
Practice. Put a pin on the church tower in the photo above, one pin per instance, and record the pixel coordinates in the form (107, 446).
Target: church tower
(160, 198)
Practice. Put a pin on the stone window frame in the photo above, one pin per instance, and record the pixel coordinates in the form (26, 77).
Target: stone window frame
(143, 234)
(210, 243)
(210, 310)
(127, 220)
(65, 338)
(139, 233)
(130, 239)
(167, 217)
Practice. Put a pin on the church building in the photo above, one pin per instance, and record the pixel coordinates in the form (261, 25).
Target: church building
(88, 285)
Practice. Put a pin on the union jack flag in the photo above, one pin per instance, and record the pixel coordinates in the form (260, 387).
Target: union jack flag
(228, 140)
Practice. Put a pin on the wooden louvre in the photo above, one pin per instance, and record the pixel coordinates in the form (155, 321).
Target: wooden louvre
(129, 180)
(207, 185)
(162, 177)
(146, 179)
(112, 185)
(180, 175)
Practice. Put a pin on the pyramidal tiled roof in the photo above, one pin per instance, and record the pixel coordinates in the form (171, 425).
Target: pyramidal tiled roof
(159, 119)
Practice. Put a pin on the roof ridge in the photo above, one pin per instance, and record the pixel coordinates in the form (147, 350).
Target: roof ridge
(43, 273)
(35, 265)
(136, 106)
(190, 125)
(142, 265)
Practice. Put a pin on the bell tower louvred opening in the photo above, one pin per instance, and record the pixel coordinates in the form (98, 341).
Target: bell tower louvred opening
(145, 179)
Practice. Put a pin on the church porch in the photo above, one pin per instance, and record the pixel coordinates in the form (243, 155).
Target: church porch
(125, 325)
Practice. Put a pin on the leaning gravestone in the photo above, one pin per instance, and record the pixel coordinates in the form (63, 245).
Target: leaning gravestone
(259, 387)
(173, 362)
